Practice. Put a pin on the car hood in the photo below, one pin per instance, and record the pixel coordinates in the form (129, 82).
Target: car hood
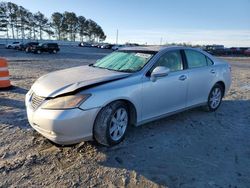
(72, 79)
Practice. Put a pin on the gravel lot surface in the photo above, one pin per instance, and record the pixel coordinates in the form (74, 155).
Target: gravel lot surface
(190, 149)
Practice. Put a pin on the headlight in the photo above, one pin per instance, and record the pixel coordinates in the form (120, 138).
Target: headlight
(66, 102)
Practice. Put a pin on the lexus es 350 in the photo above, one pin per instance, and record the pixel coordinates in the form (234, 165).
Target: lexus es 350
(131, 86)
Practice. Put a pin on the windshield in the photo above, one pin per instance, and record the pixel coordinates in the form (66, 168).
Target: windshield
(124, 61)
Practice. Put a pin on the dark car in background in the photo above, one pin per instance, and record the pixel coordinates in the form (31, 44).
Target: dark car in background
(107, 46)
(46, 47)
(84, 44)
(27, 46)
(247, 52)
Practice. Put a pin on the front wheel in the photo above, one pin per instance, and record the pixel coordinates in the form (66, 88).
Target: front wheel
(214, 98)
(111, 124)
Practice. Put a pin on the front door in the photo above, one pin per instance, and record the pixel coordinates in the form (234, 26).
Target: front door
(167, 94)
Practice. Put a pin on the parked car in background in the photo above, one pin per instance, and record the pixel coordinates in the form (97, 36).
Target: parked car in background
(117, 47)
(107, 46)
(95, 45)
(131, 44)
(19, 46)
(12, 45)
(100, 101)
(215, 49)
(247, 52)
(235, 51)
(45, 47)
(99, 45)
(84, 44)
(242, 50)
(27, 46)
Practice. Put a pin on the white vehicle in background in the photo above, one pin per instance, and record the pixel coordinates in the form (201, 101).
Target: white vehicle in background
(13, 45)
(131, 86)
(117, 47)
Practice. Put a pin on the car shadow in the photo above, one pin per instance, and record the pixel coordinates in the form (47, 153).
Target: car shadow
(190, 149)
(15, 89)
(5, 102)
(12, 111)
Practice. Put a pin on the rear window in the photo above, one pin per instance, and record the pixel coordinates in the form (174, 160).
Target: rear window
(196, 59)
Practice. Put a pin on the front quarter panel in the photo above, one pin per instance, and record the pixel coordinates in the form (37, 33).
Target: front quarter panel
(126, 89)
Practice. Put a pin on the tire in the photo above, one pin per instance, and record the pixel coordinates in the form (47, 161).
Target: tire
(38, 52)
(214, 98)
(27, 50)
(54, 51)
(109, 129)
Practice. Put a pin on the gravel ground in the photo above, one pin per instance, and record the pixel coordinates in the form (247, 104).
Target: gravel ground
(190, 149)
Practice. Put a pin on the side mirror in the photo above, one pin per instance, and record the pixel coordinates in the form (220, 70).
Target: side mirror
(158, 72)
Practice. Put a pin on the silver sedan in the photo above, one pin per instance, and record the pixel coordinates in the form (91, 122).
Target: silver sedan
(131, 86)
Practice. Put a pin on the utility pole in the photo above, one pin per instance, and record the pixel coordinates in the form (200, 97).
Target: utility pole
(117, 33)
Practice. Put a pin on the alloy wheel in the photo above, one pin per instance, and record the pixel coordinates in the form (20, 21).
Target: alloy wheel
(215, 98)
(118, 124)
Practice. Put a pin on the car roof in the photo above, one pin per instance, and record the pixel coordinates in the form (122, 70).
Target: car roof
(150, 49)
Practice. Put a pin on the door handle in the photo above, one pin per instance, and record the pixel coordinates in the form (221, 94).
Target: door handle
(212, 71)
(183, 77)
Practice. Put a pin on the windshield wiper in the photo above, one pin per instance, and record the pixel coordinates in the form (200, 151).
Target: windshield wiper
(92, 65)
(125, 70)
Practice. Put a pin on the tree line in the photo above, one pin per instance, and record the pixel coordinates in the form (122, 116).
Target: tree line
(19, 23)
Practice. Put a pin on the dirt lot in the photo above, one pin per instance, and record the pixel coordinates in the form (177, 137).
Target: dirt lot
(190, 149)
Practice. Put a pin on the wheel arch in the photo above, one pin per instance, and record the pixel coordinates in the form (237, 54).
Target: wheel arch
(222, 84)
(131, 107)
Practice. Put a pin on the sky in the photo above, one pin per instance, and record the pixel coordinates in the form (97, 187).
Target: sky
(160, 21)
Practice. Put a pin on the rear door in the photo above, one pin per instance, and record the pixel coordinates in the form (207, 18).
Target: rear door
(201, 76)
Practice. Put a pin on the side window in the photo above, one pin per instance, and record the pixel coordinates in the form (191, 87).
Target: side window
(171, 60)
(195, 59)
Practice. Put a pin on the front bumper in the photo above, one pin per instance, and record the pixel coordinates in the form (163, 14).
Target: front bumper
(63, 126)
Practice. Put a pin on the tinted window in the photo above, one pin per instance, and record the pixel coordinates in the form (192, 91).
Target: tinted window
(171, 60)
(195, 59)
(52, 45)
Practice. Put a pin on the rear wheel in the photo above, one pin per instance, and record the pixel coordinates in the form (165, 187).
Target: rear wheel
(215, 98)
(54, 51)
(111, 124)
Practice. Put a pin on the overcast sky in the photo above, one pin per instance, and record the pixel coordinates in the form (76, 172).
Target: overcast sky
(152, 21)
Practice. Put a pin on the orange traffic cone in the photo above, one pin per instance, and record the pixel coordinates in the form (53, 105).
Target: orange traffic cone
(4, 74)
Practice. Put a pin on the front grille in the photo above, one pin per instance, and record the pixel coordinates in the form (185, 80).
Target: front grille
(36, 101)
